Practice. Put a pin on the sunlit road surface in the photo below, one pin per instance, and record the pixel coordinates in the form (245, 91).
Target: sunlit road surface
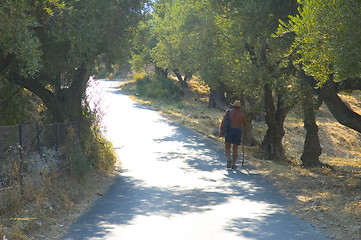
(174, 185)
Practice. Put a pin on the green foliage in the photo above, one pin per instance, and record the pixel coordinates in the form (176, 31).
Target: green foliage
(17, 105)
(85, 31)
(209, 37)
(37, 187)
(169, 37)
(327, 37)
(228, 44)
(159, 87)
(251, 23)
(143, 42)
(51, 47)
(17, 38)
(99, 152)
(93, 152)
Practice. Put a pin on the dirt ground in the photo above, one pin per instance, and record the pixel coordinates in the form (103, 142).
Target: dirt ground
(329, 198)
(87, 192)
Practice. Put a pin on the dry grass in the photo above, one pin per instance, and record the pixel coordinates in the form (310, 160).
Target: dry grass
(42, 200)
(75, 199)
(46, 211)
(330, 199)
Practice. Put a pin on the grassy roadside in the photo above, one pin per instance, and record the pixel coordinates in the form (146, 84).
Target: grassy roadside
(45, 212)
(54, 189)
(330, 199)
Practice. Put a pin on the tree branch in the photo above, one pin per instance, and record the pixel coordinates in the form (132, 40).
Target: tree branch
(328, 93)
(349, 84)
(5, 61)
(252, 53)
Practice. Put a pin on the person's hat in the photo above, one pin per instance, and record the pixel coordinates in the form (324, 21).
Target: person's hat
(236, 104)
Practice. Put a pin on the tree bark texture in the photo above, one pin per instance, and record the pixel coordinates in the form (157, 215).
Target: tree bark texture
(161, 71)
(343, 114)
(328, 93)
(275, 117)
(312, 147)
(64, 104)
(248, 137)
(217, 98)
(182, 81)
(5, 61)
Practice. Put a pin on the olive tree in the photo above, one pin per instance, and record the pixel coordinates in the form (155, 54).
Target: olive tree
(73, 37)
(326, 53)
(255, 61)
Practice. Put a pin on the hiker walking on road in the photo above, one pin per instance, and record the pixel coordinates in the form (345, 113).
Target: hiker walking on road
(232, 125)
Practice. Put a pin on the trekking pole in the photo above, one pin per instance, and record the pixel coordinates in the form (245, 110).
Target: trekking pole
(242, 152)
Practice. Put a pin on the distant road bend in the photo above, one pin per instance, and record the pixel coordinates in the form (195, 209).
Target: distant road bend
(174, 185)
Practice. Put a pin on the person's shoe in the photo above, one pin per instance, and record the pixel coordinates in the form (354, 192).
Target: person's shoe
(234, 167)
(229, 164)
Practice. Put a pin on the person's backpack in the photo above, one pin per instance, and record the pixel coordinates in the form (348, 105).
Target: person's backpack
(226, 122)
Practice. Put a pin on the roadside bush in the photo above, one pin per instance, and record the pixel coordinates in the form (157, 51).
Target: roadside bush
(91, 151)
(98, 151)
(36, 186)
(75, 158)
(159, 87)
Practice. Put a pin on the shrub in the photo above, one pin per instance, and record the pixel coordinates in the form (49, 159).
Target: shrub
(34, 187)
(99, 152)
(159, 87)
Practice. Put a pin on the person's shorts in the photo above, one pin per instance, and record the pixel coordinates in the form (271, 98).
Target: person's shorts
(233, 135)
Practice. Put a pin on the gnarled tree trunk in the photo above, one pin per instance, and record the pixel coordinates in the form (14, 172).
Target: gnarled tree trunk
(5, 61)
(64, 104)
(160, 71)
(217, 97)
(328, 93)
(248, 137)
(272, 142)
(343, 114)
(182, 81)
(312, 148)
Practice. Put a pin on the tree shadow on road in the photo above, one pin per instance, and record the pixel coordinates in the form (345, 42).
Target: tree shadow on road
(129, 198)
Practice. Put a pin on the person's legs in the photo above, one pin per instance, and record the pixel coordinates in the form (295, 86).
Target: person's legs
(234, 154)
(227, 149)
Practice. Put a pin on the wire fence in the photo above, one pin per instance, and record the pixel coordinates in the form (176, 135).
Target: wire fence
(29, 138)
(28, 149)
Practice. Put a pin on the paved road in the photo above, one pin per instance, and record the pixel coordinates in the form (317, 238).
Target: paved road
(174, 185)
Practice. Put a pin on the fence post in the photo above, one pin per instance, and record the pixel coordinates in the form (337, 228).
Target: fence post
(38, 137)
(79, 130)
(20, 140)
(56, 136)
(21, 170)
